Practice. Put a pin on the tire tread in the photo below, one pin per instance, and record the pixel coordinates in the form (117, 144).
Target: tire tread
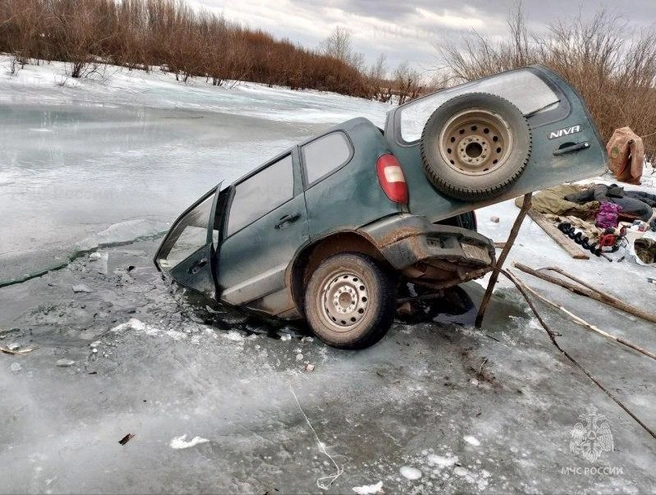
(472, 193)
(387, 295)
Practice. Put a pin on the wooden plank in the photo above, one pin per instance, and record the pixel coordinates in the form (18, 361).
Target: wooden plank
(573, 249)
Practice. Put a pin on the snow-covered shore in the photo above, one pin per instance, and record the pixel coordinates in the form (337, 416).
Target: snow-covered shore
(48, 83)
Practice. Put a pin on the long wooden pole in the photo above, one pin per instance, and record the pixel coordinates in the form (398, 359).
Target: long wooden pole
(580, 321)
(586, 290)
(552, 336)
(526, 205)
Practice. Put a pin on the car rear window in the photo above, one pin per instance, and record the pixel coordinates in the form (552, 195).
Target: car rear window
(325, 155)
(523, 88)
(261, 193)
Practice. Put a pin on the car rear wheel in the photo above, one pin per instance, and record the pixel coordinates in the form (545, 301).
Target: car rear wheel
(475, 146)
(350, 301)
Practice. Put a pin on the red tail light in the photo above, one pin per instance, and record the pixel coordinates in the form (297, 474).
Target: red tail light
(391, 178)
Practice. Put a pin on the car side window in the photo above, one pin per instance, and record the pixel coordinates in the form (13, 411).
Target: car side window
(261, 193)
(325, 155)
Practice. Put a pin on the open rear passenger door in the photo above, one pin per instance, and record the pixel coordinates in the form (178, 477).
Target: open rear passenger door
(187, 253)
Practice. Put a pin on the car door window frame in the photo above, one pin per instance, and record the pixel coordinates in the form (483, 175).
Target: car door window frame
(175, 232)
(297, 188)
(303, 167)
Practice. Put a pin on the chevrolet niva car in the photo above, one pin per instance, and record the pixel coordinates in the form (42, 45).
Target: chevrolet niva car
(326, 230)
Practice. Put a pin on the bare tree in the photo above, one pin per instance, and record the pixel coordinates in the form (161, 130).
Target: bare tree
(611, 65)
(407, 82)
(378, 70)
(381, 88)
(338, 45)
(520, 41)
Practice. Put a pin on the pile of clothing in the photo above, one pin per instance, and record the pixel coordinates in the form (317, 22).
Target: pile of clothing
(597, 210)
(633, 204)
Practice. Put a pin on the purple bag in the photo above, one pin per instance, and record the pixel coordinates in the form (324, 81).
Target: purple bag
(607, 216)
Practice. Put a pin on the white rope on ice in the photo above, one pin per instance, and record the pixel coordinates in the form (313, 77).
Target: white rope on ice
(321, 482)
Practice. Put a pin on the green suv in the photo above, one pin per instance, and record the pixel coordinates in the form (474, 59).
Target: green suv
(326, 230)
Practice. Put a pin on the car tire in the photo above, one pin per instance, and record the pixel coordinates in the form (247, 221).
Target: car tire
(350, 301)
(475, 146)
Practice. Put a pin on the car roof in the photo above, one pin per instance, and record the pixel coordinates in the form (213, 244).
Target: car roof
(345, 126)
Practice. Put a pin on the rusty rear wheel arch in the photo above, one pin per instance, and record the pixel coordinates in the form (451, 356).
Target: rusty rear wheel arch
(311, 256)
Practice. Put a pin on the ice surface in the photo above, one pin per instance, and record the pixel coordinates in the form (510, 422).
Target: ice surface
(93, 163)
(110, 159)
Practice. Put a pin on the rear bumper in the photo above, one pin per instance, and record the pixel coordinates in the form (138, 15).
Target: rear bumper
(406, 240)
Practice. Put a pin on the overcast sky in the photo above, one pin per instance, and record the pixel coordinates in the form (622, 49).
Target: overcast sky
(408, 30)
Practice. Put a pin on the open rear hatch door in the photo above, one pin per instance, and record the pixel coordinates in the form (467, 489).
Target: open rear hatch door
(187, 253)
(494, 139)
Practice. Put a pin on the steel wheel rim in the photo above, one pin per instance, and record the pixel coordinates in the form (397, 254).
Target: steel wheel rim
(344, 300)
(476, 142)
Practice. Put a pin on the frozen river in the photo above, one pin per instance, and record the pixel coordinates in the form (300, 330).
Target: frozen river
(98, 162)
(221, 402)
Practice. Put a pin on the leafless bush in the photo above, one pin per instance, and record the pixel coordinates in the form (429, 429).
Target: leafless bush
(613, 67)
(21, 21)
(407, 82)
(14, 66)
(167, 33)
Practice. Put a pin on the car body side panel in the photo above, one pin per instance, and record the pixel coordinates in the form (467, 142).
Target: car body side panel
(253, 261)
(352, 195)
(545, 169)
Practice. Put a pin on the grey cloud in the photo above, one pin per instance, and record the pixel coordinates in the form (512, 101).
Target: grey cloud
(403, 39)
(538, 13)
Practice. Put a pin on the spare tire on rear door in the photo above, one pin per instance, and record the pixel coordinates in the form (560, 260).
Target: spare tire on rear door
(475, 146)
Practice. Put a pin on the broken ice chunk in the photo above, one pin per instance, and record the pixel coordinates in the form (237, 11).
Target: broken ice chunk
(81, 288)
(369, 489)
(182, 443)
(410, 473)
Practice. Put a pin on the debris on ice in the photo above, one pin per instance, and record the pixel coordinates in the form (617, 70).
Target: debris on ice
(410, 473)
(442, 462)
(234, 335)
(369, 489)
(81, 288)
(182, 443)
(472, 440)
